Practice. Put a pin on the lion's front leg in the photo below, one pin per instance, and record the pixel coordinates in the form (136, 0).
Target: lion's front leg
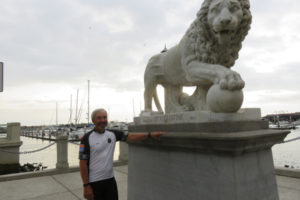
(207, 74)
(172, 99)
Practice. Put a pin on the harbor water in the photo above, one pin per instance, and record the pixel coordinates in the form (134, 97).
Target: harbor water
(288, 154)
(285, 154)
(48, 156)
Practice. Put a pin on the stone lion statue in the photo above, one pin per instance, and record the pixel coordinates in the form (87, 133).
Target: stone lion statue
(202, 58)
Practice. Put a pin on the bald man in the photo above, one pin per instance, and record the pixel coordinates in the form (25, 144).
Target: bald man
(96, 157)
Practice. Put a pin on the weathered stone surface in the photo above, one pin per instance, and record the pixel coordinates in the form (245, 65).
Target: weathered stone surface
(9, 158)
(13, 131)
(248, 114)
(206, 141)
(123, 156)
(62, 152)
(201, 121)
(157, 174)
(203, 165)
(209, 127)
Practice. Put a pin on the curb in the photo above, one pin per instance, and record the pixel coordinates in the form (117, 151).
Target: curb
(293, 173)
(48, 172)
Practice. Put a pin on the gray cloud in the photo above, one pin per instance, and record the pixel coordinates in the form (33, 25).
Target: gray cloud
(109, 43)
(285, 78)
(54, 41)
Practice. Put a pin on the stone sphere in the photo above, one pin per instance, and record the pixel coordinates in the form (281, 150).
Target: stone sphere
(224, 101)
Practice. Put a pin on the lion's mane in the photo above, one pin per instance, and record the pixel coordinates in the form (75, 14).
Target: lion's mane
(206, 48)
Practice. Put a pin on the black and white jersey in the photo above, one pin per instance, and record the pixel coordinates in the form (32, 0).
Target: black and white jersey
(98, 149)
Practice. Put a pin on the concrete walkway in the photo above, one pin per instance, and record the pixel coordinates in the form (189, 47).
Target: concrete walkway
(68, 186)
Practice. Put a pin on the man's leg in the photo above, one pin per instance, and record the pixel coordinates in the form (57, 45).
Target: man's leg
(98, 190)
(111, 192)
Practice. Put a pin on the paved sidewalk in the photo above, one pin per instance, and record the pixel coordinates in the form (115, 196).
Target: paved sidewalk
(288, 188)
(69, 187)
(55, 187)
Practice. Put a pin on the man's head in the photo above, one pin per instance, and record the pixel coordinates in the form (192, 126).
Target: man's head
(99, 118)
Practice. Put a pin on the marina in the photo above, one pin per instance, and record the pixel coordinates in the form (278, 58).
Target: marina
(48, 156)
(288, 154)
(284, 154)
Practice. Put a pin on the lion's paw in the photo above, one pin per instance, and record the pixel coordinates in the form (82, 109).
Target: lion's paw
(148, 112)
(232, 81)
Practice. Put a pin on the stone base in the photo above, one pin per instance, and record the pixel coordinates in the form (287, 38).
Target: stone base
(246, 114)
(62, 165)
(9, 162)
(198, 164)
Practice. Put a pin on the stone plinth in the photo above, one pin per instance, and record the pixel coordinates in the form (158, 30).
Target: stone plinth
(9, 162)
(204, 160)
(248, 114)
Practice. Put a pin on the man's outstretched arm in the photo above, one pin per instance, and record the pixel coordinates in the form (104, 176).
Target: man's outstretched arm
(144, 136)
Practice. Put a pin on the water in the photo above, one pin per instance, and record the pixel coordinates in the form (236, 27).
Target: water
(288, 153)
(283, 154)
(48, 156)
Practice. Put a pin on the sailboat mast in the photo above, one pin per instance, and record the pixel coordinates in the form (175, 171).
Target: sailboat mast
(88, 110)
(71, 110)
(56, 114)
(76, 111)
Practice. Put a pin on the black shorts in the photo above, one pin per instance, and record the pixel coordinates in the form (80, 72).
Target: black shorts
(105, 189)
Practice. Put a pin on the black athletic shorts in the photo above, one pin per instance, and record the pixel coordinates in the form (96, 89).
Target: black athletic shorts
(105, 189)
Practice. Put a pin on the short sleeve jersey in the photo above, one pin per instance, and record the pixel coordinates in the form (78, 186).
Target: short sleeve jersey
(98, 149)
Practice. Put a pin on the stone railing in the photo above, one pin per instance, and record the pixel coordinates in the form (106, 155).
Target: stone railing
(10, 149)
(62, 152)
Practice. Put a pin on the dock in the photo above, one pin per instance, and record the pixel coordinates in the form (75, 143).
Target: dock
(68, 186)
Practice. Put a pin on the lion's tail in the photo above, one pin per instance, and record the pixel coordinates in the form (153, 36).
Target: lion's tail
(156, 101)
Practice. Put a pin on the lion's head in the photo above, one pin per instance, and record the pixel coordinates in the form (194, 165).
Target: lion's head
(219, 29)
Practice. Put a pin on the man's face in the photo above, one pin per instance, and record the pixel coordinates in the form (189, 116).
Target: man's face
(100, 120)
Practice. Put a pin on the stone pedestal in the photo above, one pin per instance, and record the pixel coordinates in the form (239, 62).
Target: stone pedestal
(9, 162)
(227, 159)
(62, 152)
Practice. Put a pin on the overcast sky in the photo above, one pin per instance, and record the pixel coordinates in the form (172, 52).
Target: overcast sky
(51, 48)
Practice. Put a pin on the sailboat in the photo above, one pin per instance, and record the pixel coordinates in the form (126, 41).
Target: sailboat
(79, 132)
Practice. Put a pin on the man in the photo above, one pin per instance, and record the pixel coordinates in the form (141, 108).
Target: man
(96, 157)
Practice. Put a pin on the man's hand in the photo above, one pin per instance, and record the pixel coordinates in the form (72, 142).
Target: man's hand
(88, 193)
